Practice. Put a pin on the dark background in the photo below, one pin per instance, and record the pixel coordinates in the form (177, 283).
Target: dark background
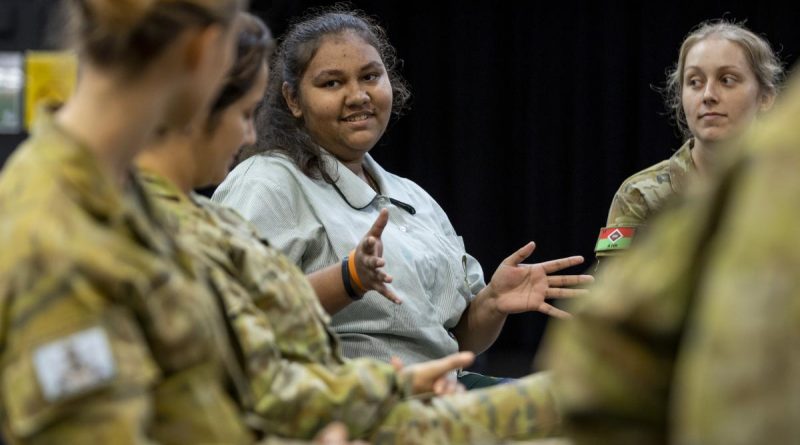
(525, 118)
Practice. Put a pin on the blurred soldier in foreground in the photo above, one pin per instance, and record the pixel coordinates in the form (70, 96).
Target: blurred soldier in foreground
(701, 345)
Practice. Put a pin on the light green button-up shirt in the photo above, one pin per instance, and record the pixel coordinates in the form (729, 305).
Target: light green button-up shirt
(316, 224)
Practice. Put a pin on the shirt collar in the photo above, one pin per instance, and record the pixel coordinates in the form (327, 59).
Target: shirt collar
(357, 193)
(353, 189)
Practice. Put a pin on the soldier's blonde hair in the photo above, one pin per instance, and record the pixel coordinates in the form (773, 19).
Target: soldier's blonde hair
(127, 34)
(760, 56)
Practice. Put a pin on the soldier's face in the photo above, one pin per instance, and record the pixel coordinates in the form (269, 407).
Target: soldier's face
(721, 94)
(345, 97)
(233, 130)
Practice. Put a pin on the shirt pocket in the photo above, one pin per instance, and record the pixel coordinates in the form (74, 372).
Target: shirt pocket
(446, 278)
(458, 261)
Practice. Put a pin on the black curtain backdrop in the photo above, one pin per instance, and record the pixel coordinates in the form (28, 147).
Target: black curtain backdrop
(526, 118)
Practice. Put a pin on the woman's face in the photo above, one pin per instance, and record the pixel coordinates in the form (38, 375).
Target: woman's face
(234, 128)
(345, 97)
(721, 94)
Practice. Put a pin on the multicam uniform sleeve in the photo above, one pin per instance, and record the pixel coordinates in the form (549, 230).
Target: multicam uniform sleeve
(112, 346)
(296, 396)
(75, 369)
(628, 208)
(520, 410)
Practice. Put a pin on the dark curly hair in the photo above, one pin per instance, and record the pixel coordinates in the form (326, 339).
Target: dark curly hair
(278, 130)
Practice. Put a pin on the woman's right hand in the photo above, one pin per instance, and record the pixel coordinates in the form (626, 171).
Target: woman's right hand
(369, 260)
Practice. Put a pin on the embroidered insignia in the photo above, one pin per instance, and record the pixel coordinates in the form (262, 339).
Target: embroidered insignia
(74, 364)
(614, 238)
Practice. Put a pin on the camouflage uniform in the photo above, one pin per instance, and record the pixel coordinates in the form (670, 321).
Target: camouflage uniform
(300, 379)
(692, 337)
(105, 335)
(643, 195)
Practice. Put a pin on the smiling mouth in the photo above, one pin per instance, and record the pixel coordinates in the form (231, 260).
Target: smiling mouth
(357, 117)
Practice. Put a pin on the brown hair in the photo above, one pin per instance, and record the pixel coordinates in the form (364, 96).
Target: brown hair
(126, 34)
(762, 60)
(253, 48)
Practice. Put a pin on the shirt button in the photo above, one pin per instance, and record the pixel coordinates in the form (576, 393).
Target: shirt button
(403, 229)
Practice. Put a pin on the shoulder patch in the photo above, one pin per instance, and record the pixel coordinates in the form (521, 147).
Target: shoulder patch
(663, 178)
(614, 238)
(74, 364)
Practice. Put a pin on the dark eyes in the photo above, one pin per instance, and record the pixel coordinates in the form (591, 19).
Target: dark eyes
(335, 83)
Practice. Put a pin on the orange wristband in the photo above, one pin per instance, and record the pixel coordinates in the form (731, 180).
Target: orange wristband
(351, 267)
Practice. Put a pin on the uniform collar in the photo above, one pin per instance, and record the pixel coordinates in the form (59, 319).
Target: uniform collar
(681, 166)
(160, 187)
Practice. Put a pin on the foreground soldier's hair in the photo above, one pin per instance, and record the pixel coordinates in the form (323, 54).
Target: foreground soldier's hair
(126, 34)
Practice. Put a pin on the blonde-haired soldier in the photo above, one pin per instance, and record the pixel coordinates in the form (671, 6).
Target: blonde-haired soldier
(725, 76)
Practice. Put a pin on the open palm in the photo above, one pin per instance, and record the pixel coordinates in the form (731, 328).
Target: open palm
(521, 287)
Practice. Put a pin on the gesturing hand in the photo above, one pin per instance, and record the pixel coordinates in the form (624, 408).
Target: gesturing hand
(369, 260)
(520, 287)
(432, 377)
(335, 434)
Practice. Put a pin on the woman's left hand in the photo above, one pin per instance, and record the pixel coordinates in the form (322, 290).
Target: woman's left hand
(518, 287)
